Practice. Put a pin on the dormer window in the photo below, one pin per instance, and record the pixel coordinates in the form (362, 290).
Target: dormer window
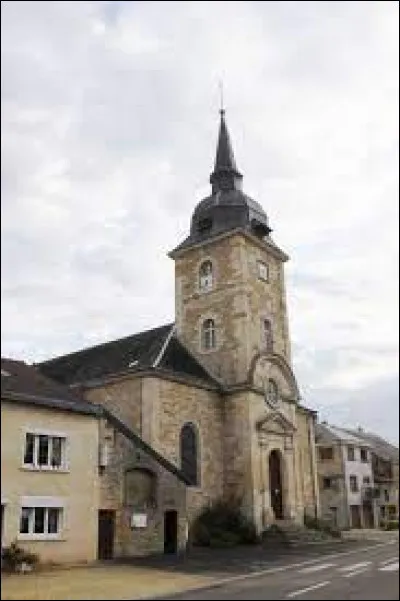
(206, 276)
(208, 335)
(204, 225)
(262, 271)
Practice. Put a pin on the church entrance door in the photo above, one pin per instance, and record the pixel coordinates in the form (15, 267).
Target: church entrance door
(275, 483)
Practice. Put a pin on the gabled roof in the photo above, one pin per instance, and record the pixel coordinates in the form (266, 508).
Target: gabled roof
(25, 384)
(379, 445)
(158, 350)
(325, 433)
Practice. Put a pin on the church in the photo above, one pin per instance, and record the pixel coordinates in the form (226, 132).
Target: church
(214, 392)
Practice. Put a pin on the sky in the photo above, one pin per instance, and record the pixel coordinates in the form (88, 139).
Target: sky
(109, 125)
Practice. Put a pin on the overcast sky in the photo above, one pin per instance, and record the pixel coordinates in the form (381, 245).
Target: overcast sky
(109, 124)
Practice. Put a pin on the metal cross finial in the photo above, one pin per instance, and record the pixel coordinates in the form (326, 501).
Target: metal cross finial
(221, 92)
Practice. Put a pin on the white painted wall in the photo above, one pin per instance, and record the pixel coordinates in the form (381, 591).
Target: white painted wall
(360, 470)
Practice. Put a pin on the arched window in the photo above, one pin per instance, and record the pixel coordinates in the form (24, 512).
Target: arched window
(206, 276)
(188, 451)
(140, 488)
(266, 333)
(272, 392)
(208, 334)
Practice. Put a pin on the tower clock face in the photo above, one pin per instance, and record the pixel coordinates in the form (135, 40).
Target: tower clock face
(271, 392)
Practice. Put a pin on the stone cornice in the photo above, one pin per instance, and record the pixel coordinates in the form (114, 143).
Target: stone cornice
(262, 244)
(147, 373)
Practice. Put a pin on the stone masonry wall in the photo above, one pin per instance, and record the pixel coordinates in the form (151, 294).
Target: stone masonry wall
(238, 475)
(306, 463)
(174, 404)
(123, 397)
(171, 494)
(238, 302)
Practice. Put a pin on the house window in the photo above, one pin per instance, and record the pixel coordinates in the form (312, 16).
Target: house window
(40, 520)
(366, 480)
(353, 484)
(327, 483)
(262, 271)
(266, 333)
(350, 454)
(189, 452)
(325, 453)
(208, 334)
(43, 451)
(364, 455)
(386, 495)
(206, 276)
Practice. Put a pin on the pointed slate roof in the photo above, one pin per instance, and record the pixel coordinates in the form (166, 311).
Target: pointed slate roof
(225, 163)
(227, 208)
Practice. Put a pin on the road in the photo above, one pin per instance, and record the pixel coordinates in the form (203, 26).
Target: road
(371, 572)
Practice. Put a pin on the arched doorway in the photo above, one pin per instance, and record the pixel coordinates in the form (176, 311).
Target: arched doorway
(275, 483)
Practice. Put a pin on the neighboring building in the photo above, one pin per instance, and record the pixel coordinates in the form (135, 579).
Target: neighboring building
(346, 479)
(49, 466)
(77, 484)
(385, 468)
(215, 392)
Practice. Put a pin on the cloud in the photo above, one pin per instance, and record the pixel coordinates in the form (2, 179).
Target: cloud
(108, 133)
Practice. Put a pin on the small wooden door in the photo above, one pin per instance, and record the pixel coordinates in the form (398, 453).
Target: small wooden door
(368, 515)
(355, 512)
(170, 531)
(106, 534)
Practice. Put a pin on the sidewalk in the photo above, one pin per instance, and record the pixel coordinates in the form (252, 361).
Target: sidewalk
(105, 582)
(370, 534)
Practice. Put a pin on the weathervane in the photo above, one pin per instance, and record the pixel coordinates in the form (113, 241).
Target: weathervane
(221, 96)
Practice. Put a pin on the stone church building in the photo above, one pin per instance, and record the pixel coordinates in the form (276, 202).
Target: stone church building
(214, 392)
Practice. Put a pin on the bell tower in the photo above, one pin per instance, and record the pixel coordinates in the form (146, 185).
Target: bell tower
(230, 301)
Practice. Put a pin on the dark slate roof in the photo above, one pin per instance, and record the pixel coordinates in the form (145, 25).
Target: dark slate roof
(227, 208)
(131, 354)
(379, 445)
(139, 442)
(179, 360)
(25, 384)
(224, 158)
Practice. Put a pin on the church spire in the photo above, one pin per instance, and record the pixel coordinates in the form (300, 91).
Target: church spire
(225, 175)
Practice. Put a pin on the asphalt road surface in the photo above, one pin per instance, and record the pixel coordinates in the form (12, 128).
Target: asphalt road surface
(371, 572)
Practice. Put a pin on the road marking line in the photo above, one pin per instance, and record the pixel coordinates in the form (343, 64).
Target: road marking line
(316, 568)
(392, 567)
(383, 563)
(355, 573)
(219, 583)
(306, 590)
(355, 566)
